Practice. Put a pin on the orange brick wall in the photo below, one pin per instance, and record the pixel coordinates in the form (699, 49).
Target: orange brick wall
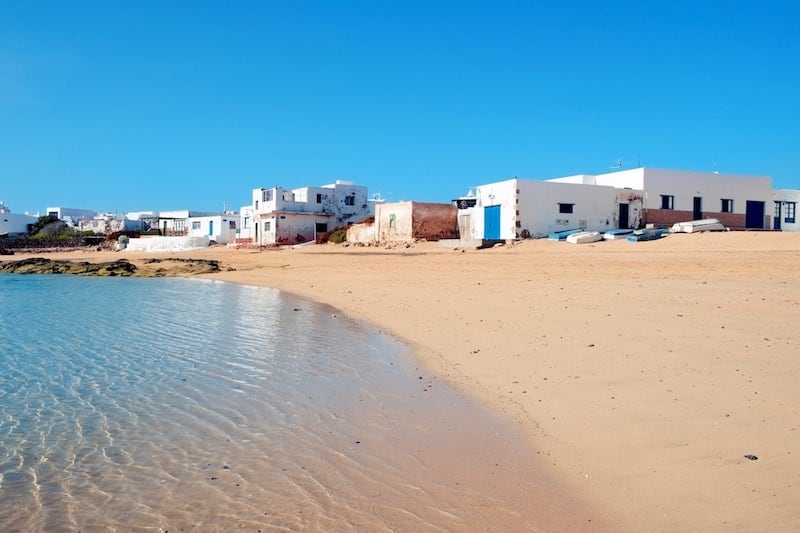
(668, 217)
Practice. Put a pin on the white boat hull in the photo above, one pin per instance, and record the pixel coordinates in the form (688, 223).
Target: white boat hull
(584, 237)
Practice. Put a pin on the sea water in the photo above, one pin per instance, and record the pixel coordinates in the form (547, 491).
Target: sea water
(184, 404)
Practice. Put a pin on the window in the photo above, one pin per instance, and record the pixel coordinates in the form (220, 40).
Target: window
(350, 200)
(790, 212)
(195, 225)
(267, 225)
(232, 224)
(266, 195)
(392, 221)
(565, 208)
(727, 205)
(667, 201)
(179, 226)
(319, 198)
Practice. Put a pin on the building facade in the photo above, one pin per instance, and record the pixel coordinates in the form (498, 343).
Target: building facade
(670, 196)
(14, 224)
(405, 222)
(281, 216)
(519, 208)
(221, 229)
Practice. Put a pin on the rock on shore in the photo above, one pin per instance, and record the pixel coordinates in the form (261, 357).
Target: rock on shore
(120, 267)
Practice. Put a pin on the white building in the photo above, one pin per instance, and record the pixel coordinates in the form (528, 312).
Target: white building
(70, 215)
(739, 202)
(13, 224)
(519, 208)
(283, 216)
(784, 211)
(221, 229)
(247, 226)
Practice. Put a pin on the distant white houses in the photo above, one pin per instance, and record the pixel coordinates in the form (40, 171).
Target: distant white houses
(70, 215)
(13, 224)
(281, 216)
(108, 223)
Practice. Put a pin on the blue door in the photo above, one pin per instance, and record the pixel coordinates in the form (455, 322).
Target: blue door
(211, 227)
(491, 222)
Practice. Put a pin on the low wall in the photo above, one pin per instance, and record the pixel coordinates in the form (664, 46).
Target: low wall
(166, 244)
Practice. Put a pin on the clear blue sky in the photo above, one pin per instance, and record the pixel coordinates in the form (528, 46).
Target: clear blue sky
(124, 106)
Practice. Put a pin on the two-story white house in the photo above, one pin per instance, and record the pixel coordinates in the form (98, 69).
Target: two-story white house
(281, 216)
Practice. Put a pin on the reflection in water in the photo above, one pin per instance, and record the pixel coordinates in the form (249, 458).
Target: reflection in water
(169, 404)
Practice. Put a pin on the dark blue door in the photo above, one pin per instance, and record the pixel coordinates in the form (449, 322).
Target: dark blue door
(491, 222)
(754, 215)
(776, 220)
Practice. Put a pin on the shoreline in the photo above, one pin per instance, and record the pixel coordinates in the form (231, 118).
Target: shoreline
(643, 372)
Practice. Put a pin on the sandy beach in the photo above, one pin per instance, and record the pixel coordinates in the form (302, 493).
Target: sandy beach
(644, 374)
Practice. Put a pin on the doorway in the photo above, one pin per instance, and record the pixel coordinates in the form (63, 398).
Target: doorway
(624, 223)
(491, 222)
(776, 218)
(754, 215)
(697, 209)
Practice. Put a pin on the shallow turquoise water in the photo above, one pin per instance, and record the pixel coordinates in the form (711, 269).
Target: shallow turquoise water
(167, 404)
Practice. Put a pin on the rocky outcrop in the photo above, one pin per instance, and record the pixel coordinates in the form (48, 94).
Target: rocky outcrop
(120, 267)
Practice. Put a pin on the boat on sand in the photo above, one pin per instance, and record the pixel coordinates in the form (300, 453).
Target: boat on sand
(619, 233)
(583, 237)
(648, 234)
(563, 234)
(696, 226)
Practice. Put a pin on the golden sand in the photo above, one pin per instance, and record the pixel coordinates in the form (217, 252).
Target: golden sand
(644, 372)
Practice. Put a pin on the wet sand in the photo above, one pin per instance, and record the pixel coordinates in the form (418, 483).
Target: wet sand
(643, 373)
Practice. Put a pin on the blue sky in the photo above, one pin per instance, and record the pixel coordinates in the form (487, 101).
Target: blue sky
(125, 106)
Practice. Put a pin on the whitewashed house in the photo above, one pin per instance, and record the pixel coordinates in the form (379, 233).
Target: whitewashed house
(294, 216)
(14, 224)
(247, 229)
(519, 208)
(221, 229)
(176, 222)
(784, 210)
(670, 196)
(70, 215)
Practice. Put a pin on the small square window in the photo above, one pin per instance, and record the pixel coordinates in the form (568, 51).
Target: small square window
(727, 205)
(667, 201)
(196, 225)
(267, 225)
(565, 208)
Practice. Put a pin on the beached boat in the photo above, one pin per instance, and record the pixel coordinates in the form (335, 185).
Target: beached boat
(563, 234)
(696, 226)
(620, 233)
(583, 237)
(649, 234)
